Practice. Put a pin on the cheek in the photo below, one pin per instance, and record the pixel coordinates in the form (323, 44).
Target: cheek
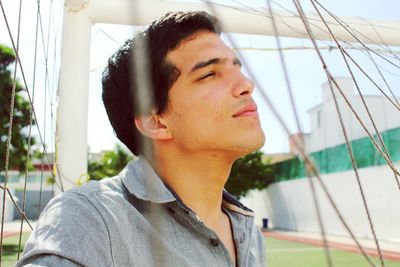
(213, 105)
(210, 112)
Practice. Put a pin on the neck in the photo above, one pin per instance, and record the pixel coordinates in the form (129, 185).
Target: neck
(198, 179)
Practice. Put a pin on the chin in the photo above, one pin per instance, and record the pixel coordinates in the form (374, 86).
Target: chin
(251, 144)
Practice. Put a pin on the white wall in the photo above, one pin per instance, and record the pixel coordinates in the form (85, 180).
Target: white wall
(258, 202)
(289, 204)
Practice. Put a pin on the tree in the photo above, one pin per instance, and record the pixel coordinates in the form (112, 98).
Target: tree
(110, 163)
(21, 121)
(249, 172)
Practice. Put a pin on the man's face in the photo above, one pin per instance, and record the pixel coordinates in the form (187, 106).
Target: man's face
(210, 108)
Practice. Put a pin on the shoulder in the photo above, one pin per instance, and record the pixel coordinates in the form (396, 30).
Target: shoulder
(72, 227)
(78, 203)
(108, 185)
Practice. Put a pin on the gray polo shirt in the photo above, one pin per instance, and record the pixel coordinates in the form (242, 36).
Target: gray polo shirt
(134, 219)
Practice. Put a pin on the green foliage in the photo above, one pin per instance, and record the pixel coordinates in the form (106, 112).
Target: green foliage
(19, 140)
(249, 172)
(110, 164)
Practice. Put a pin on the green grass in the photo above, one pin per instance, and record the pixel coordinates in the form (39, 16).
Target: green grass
(282, 253)
(10, 249)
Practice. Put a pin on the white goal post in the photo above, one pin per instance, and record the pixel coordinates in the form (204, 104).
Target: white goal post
(81, 15)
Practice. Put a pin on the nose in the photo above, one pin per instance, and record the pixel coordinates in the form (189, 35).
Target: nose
(243, 86)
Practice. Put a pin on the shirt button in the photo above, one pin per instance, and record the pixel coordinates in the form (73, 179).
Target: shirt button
(242, 238)
(214, 242)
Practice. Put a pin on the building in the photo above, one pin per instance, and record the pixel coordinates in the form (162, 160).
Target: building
(39, 190)
(288, 202)
(325, 126)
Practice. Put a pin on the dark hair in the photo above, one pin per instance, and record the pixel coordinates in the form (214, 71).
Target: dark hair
(119, 87)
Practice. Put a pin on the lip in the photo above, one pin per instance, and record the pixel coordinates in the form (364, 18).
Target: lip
(248, 110)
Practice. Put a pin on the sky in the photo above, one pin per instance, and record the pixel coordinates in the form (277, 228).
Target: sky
(305, 72)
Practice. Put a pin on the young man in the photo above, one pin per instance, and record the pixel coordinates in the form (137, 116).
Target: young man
(169, 207)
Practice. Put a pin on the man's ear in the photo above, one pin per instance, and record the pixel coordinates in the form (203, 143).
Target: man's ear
(153, 126)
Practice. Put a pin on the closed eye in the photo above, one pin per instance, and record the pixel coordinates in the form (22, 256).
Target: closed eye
(205, 76)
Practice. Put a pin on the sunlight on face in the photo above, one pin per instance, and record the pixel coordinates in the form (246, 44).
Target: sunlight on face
(210, 105)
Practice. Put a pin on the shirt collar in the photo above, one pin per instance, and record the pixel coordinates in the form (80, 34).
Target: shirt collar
(143, 182)
(231, 203)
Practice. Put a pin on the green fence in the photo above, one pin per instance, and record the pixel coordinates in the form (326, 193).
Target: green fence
(337, 159)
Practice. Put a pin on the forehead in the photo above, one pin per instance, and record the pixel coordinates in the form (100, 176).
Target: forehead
(199, 47)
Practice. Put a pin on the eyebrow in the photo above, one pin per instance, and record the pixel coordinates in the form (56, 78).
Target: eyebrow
(204, 64)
